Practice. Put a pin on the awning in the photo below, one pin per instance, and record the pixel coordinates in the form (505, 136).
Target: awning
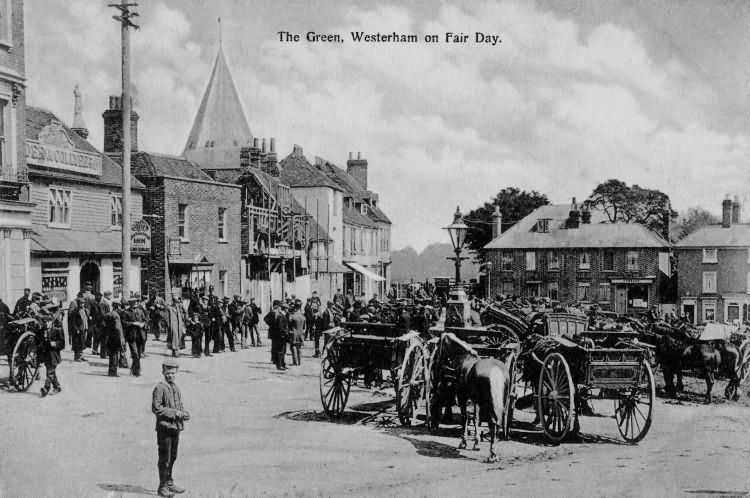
(364, 271)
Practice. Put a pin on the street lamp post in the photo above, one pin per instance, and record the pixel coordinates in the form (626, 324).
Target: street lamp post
(283, 248)
(457, 307)
(488, 271)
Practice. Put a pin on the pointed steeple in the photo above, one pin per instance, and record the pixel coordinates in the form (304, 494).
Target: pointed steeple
(79, 126)
(220, 127)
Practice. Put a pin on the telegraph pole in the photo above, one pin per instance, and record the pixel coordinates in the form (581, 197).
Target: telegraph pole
(126, 24)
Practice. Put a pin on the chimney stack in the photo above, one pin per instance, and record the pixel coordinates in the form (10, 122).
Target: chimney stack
(245, 159)
(357, 168)
(736, 210)
(263, 146)
(79, 126)
(586, 217)
(574, 216)
(113, 128)
(726, 212)
(497, 222)
(255, 153)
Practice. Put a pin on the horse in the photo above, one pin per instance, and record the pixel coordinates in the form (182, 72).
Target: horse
(484, 381)
(674, 354)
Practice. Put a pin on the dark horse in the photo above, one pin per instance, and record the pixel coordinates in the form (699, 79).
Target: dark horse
(483, 381)
(675, 353)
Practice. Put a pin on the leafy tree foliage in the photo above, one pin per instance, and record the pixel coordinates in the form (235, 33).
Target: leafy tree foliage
(514, 204)
(692, 220)
(633, 204)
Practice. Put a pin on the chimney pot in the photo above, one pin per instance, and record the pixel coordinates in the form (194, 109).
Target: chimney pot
(359, 155)
(273, 144)
(351, 155)
(255, 142)
(497, 222)
(736, 210)
(263, 146)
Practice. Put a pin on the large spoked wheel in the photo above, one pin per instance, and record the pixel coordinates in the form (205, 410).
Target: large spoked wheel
(24, 362)
(556, 402)
(744, 364)
(412, 383)
(434, 405)
(635, 407)
(510, 398)
(334, 382)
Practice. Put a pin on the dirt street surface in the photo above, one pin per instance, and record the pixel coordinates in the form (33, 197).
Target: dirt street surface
(258, 432)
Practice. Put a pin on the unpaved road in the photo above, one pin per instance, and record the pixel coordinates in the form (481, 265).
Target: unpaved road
(258, 432)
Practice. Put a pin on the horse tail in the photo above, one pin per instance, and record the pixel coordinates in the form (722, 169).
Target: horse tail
(498, 386)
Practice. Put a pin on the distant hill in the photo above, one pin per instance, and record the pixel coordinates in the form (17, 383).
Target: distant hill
(431, 262)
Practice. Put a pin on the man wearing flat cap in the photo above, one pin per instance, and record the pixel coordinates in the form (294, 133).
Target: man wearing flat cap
(132, 328)
(166, 404)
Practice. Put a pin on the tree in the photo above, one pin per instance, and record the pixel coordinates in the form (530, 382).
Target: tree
(691, 221)
(623, 203)
(514, 204)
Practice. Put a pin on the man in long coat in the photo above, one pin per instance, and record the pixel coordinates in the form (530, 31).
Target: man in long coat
(132, 327)
(78, 324)
(53, 341)
(176, 327)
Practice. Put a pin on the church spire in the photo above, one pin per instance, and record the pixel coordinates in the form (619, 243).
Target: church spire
(220, 127)
(79, 126)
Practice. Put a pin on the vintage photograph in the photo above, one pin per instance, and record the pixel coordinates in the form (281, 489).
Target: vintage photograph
(435, 248)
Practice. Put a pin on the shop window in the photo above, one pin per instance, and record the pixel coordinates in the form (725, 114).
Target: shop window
(553, 261)
(608, 261)
(55, 280)
(584, 261)
(117, 279)
(531, 261)
(506, 263)
(733, 312)
(222, 223)
(508, 288)
(115, 210)
(709, 312)
(604, 292)
(584, 292)
(632, 260)
(638, 296)
(710, 256)
(200, 280)
(533, 289)
(182, 221)
(59, 206)
(553, 291)
(709, 281)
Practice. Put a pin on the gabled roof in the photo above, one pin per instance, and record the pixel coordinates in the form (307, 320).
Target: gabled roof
(296, 171)
(736, 235)
(37, 119)
(340, 177)
(220, 123)
(597, 234)
(145, 164)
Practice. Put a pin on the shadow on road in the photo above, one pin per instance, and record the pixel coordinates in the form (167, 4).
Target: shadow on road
(716, 492)
(128, 488)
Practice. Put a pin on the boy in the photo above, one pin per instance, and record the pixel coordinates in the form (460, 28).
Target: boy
(166, 403)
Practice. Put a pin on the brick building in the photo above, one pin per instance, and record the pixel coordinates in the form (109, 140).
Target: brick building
(195, 237)
(713, 269)
(15, 205)
(77, 217)
(570, 255)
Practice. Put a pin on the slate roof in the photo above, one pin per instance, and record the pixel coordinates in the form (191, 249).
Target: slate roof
(355, 217)
(296, 171)
(148, 164)
(51, 240)
(344, 180)
(220, 122)
(597, 234)
(37, 118)
(736, 235)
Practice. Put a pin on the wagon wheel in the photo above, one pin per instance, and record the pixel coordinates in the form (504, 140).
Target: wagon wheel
(334, 382)
(556, 402)
(24, 362)
(744, 363)
(434, 406)
(510, 398)
(635, 406)
(412, 383)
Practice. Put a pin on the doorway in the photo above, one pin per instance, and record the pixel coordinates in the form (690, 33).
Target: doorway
(90, 276)
(621, 300)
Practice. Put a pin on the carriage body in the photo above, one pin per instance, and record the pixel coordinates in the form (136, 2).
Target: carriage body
(23, 343)
(362, 351)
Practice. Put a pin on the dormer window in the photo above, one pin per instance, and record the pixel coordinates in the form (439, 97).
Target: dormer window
(710, 256)
(363, 209)
(542, 225)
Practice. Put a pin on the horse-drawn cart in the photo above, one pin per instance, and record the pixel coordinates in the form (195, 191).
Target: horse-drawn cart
(21, 344)
(362, 351)
(571, 375)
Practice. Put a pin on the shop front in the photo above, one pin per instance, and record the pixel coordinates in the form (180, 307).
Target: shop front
(187, 275)
(633, 296)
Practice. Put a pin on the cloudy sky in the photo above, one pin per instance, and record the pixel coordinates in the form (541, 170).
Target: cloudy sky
(654, 93)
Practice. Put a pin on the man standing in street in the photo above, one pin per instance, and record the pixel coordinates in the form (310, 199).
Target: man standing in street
(166, 404)
(278, 328)
(78, 326)
(296, 332)
(132, 326)
(53, 342)
(255, 312)
(113, 339)
(236, 310)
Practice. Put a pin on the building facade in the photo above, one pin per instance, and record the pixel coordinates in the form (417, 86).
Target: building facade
(77, 215)
(571, 256)
(713, 270)
(15, 204)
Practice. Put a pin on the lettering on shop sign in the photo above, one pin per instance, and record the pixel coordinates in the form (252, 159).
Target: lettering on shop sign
(55, 150)
(140, 237)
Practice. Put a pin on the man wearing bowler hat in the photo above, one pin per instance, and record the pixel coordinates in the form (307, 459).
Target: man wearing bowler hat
(166, 403)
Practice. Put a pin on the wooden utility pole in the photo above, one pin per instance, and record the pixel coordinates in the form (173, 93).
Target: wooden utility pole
(126, 24)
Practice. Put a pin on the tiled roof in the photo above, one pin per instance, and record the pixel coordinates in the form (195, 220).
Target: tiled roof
(355, 217)
(343, 179)
(378, 215)
(54, 240)
(296, 171)
(597, 234)
(37, 119)
(736, 235)
(149, 164)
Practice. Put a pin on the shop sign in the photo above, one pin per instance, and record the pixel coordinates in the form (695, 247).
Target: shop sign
(140, 237)
(55, 150)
